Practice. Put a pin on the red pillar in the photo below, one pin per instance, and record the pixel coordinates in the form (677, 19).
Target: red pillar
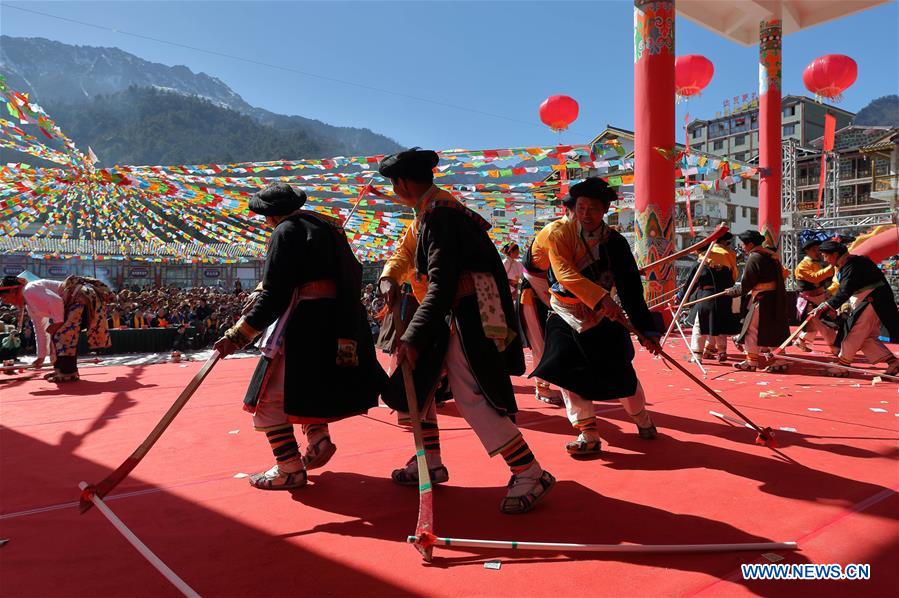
(654, 130)
(770, 136)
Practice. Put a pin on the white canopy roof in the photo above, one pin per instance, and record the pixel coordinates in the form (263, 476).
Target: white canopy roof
(738, 20)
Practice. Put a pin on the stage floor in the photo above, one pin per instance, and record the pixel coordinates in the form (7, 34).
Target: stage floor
(701, 481)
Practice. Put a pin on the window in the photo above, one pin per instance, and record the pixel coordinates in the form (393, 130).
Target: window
(718, 145)
(754, 216)
(697, 132)
(740, 156)
(753, 187)
(700, 147)
(790, 111)
(789, 130)
(740, 140)
(745, 211)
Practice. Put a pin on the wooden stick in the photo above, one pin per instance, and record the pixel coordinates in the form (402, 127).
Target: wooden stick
(717, 234)
(362, 194)
(765, 435)
(425, 523)
(787, 342)
(620, 548)
(138, 545)
(688, 292)
(830, 364)
(113, 479)
(709, 298)
(693, 357)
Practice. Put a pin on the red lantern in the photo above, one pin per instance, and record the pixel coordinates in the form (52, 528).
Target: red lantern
(829, 76)
(691, 74)
(557, 112)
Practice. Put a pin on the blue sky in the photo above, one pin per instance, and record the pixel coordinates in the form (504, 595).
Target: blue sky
(501, 58)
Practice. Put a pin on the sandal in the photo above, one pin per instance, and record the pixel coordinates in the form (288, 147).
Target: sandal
(516, 505)
(722, 357)
(59, 377)
(408, 475)
(775, 368)
(647, 433)
(802, 346)
(583, 447)
(319, 453)
(275, 479)
(548, 397)
(745, 366)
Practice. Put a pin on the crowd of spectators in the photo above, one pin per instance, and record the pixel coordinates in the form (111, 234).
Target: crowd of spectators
(200, 314)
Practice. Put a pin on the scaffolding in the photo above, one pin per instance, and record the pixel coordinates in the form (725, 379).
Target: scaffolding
(795, 221)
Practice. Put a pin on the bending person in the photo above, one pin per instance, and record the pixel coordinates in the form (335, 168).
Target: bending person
(588, 352)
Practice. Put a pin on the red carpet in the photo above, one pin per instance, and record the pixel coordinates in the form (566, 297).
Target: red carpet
(701, 481)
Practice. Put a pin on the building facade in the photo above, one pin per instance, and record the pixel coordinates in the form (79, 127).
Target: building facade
(735, 134)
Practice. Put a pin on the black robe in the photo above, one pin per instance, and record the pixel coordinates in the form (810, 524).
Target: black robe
(451, 240)
(773, 326)
(596, 363)
(860, 272)
(304, 248)
(715, 316)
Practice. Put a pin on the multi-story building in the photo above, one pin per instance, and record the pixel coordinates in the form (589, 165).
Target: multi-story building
(866, 175)
(735, 134)
(736, 206)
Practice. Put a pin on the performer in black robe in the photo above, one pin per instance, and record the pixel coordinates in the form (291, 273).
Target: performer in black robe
(714, 320)
(466, 322)
(588, 352)
(766, 324)
(874, 312)
(813, 276)
(318, 362)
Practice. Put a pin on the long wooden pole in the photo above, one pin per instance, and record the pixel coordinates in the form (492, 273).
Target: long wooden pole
(145, 552)
(425, 525)
(122, 471)
(704, 299)
(619, 548)
(693, 282)
(717, 234)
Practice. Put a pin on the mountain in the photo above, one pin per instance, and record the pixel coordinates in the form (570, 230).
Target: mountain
(882, 111)
(62, 78)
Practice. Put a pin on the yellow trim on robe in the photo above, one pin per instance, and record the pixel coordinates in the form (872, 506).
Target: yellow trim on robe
(722, 257)
(810, 271)
(400, 266)
(539, 249)
(566, 251)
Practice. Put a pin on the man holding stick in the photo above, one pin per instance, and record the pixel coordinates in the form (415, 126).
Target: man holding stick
(864, 286)
(588, 351)
(765, 325)
(318, 361)
(813, 276)
(714, 319)
(466, 321)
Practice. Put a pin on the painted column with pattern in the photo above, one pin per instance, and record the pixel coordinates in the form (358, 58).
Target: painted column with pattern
(654, 220)
(770, 136)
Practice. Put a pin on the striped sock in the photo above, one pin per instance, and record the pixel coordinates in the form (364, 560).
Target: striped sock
(285, 448)
(587, 427)
(431, 436)
(518, 455)
(315, 432)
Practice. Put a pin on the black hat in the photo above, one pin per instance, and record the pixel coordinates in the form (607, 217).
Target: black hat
(414, 163)
(568, 201)
(726, 237)
(752, 236)
(278, 199)
(810, 243)
(594, 188)
(833, 247)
